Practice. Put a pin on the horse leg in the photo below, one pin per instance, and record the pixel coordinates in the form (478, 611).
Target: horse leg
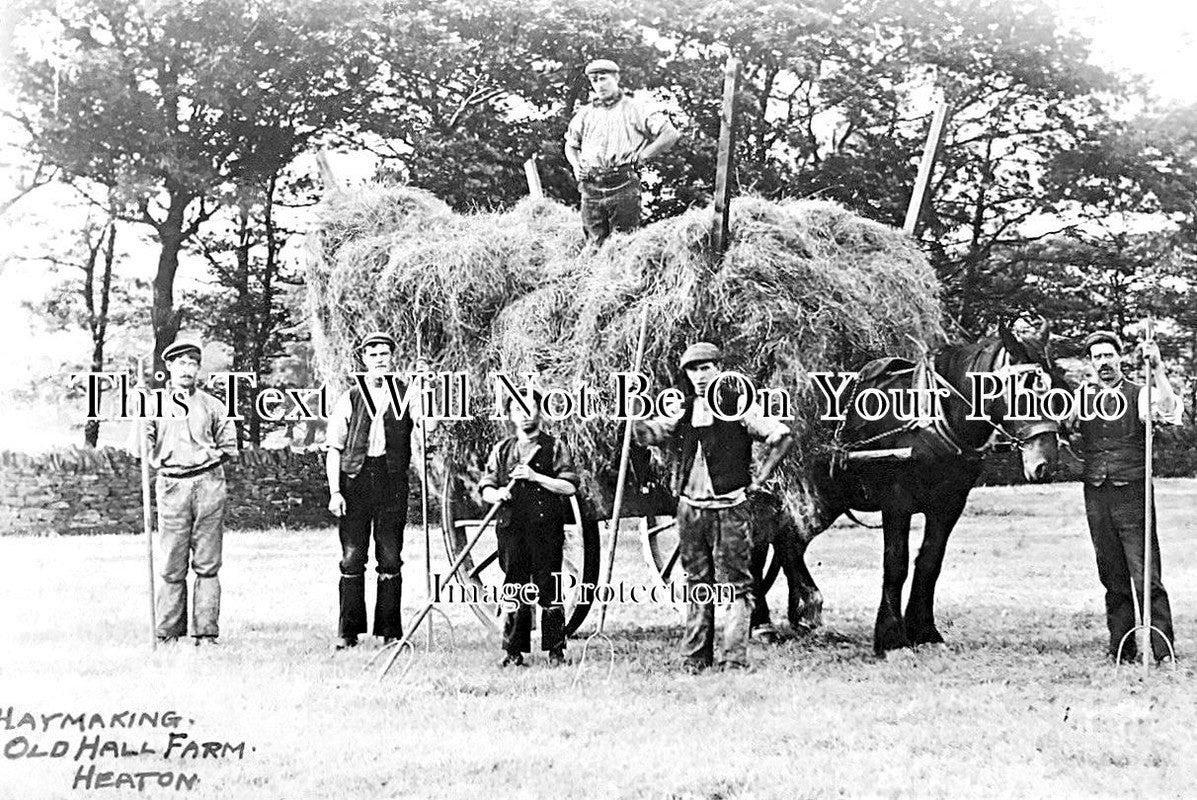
(920, 609)
(761, 621)
(890, 631)
(806, 601)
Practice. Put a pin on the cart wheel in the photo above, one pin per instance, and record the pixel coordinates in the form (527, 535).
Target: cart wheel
(481, 567)
(660, 545)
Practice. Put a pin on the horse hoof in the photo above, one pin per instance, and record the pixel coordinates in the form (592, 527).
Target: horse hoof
(767, 634)
(804, 629)
(806, 622)
(931, 636)
(889, 636)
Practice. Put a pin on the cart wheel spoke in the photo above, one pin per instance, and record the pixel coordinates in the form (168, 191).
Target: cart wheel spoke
(660, 546)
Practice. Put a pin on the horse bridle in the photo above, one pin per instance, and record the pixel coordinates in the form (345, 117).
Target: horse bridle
(1030, 429)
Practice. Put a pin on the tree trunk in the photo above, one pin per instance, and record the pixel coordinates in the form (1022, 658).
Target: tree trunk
(97, 318)
(91, 430)
(250, 430)
(163, 314)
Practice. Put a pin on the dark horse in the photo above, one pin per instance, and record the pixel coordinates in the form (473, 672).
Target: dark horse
(874, 471)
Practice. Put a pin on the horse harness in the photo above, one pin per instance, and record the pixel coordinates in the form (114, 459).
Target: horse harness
(931, 417)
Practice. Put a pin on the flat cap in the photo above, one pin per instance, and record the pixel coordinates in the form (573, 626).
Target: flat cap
(377, 337)
(1099, 337)
(177, 349)
(699, 352)
(601, 65)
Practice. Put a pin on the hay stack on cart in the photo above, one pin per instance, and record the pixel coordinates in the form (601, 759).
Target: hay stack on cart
(804, 285)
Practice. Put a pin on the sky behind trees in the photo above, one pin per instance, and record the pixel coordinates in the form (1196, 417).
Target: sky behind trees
(1151, 37)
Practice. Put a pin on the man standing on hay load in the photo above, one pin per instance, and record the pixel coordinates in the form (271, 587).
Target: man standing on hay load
(188, 453)
(531, 474)
(1115, 495)
(712, 478)
(368, 458)
(607, 143)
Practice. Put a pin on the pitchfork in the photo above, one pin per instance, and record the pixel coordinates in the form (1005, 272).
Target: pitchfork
(618, 507)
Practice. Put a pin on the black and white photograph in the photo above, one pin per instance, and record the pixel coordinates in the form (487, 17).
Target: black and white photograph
(688, 399)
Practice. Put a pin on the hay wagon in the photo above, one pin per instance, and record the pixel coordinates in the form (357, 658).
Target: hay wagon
(802, 286)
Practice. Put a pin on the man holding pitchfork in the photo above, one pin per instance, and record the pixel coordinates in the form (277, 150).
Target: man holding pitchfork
(530, 473)
(1116, 494)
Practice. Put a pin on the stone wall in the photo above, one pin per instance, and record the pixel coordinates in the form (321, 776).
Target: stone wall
(81, 491)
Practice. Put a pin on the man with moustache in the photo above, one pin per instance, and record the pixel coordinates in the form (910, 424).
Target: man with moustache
(370, 445)
(1115, 494)
(188, 452)
(712, 478)
(606, 144)
(530, 527)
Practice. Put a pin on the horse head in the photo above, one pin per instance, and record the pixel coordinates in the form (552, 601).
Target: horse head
(1032, 370)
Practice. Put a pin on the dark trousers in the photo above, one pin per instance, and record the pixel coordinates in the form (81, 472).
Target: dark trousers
(1116, 515)
(531, 553)
(375, 501)
(606, 210)
(716, 544)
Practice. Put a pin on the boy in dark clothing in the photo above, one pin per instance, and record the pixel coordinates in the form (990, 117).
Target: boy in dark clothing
(531, 526)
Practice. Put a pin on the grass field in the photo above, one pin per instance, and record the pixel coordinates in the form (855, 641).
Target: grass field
(1019, 703)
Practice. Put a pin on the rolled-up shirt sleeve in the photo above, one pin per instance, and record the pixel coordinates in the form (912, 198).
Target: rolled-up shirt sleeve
(761, 427)
(224, 432)
(654, 431)
(490, 473)
(563, 464)
(652, 122)
(573, 134)
(337, 433)
(1175, 416)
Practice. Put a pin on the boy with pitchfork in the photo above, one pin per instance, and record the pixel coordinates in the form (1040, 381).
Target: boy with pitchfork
(530, 473)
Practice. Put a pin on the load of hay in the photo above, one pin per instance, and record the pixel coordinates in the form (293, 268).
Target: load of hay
(805, 285)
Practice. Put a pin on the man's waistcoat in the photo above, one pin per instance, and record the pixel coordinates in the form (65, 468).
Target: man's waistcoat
(398, 437)
(1114, 449)
(726, 446)
(530, 502)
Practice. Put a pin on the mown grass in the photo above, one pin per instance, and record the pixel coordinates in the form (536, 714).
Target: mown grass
(1018, 703)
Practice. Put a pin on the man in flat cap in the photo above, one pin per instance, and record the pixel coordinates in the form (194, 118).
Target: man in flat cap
(188, 452)
(712, 460)
(370, 445)
(607, 143)
(1115, 495)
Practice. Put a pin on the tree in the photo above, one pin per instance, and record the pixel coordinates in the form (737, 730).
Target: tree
(248, 312)
(92, 298)
(172, 105)
(477, 88)
(833, 103)
(1130, 194)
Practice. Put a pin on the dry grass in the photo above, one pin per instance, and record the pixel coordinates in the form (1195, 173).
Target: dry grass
(1019, 704)
(805, 285)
